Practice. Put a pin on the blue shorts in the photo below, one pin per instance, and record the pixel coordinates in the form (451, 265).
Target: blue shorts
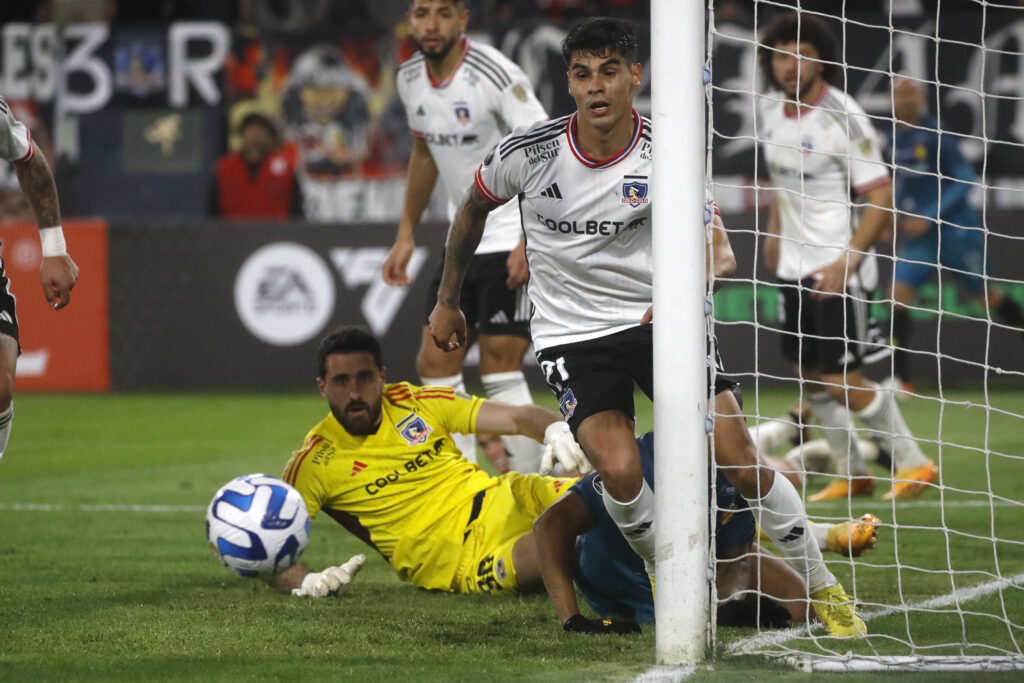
(962, 250)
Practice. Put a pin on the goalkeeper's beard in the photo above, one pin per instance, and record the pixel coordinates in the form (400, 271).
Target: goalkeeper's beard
(362, 424)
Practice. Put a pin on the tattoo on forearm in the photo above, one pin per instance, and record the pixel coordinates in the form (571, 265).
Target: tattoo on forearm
(467, 229)
(37, 183)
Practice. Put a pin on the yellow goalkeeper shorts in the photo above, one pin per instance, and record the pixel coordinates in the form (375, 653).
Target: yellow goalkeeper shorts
(506, 514)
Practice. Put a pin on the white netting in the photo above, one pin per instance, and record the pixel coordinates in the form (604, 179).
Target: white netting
(944, 587)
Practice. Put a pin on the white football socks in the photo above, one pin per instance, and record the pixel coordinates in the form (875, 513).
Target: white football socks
(6, 418)
(635, 520)
(838, 427)
(781, 516)
(511, 388)
(464, 442)
(883, 416)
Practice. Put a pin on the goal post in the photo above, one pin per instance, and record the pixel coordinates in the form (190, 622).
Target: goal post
(680, 404)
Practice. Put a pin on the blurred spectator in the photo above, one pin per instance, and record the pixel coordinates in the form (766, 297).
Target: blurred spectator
(259, 180)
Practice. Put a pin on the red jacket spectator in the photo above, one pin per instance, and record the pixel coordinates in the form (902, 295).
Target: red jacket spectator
(259, 180)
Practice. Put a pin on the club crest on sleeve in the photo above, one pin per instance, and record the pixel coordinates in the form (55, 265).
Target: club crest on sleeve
(413, 429)
(499, 569)
(567, 403)
(462, 112)
(634, 193)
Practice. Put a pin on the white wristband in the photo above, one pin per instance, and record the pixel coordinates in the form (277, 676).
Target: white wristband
(52, 241)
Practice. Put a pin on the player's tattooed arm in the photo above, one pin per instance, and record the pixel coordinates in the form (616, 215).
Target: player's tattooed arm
(37, 183)
(57, 272)
(467, 229)
(447, 322)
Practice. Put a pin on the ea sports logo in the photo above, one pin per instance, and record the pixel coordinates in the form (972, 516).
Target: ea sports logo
(284, 293)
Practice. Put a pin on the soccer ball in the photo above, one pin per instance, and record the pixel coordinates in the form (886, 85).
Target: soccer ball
(257, 525)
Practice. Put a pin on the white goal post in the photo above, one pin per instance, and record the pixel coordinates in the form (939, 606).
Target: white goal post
(944, 587)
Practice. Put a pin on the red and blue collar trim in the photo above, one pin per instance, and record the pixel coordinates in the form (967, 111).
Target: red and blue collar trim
(589, 161)
(451, 76)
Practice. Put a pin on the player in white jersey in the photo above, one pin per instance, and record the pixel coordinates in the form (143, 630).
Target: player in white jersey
(460, 98)
(582, 184)
(819, 145)
(57, 272)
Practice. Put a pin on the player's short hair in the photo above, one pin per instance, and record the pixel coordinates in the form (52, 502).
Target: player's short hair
(785, 27)
(347, 339)
(600, 36)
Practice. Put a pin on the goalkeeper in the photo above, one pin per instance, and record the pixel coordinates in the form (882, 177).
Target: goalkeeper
(577, 540)
(384, 466)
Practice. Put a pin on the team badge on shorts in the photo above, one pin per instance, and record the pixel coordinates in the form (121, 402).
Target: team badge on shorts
(413, 429)
(499, 569)
(567, 403)
(634, 193)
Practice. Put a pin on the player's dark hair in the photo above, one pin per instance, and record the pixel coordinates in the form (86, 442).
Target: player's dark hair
(601, 36)
(347, 340)
(790, 27)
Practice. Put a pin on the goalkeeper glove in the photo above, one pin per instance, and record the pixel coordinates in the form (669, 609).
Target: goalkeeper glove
(578, 623)
(559, 445)
(330, 581)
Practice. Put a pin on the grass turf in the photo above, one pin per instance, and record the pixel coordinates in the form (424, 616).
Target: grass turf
(92, 593)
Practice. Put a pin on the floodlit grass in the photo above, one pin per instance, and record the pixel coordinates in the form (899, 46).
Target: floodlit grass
(94, 594)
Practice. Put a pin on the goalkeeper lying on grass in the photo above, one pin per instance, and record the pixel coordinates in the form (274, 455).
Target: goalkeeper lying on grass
(576, 540)
(383, 465)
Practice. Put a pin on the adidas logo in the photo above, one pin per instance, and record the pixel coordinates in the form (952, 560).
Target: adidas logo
(499, 318)
(6, 317)
(552, 191)
(357, 467)
(794, 533)
(419, 111)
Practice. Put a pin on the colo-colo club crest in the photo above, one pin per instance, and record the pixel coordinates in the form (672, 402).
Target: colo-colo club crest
(634, 192)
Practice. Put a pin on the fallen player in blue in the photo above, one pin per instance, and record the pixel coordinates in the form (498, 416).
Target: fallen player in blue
(577, 541)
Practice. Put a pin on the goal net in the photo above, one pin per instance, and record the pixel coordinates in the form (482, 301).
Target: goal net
(943, 586)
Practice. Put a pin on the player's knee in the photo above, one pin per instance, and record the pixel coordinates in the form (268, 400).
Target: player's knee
(622, 477)
(6, 391)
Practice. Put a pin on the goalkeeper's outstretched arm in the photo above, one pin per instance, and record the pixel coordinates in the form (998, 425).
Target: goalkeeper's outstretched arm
(300, 581)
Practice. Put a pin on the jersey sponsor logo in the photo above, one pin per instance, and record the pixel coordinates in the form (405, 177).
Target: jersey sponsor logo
(567, 403)
(450, 139)
(414, 464)
(634, 192)
(552, 191)
(357, 467)
(542, 151)
(413, 429)
(462, 113)
(591, 227)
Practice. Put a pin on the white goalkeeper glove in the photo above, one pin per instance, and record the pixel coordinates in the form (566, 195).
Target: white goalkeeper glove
(330, 581)
(561, 446)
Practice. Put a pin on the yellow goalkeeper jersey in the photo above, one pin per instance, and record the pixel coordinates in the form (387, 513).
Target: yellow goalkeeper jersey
(406, 489)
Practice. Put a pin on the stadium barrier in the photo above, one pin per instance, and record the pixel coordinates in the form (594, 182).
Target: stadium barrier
(204, 305)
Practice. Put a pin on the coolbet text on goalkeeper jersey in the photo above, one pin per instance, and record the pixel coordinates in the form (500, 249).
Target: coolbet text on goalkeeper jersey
(403, 488)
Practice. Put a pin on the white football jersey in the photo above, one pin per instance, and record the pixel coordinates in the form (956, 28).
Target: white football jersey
(815, 159)
(587, 225)
(463, 117)
(15, 140)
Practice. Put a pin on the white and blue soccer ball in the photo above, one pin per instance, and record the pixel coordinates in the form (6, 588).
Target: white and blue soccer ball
(257, 524)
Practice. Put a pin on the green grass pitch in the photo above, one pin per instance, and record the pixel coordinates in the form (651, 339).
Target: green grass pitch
(88, 593)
